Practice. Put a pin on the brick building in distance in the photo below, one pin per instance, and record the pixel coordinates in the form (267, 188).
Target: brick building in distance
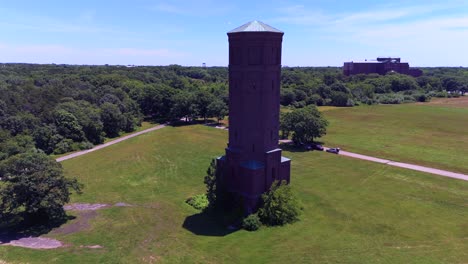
(381, 66)
(253, 158)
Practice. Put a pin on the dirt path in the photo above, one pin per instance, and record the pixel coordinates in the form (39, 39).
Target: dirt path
(79, 153)
(444, 173)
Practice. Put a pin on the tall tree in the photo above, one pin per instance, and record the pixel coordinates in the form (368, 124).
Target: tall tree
(217, 108)
(305, 123)
(112, 119)
(34, 184)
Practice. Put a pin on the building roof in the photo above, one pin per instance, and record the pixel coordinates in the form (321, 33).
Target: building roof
(255, 26)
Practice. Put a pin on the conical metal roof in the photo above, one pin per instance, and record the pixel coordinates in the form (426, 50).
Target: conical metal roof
(255, 26)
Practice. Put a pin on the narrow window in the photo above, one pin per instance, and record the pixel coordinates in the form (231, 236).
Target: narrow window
(272, 85)
(273, 173)
(253, 147)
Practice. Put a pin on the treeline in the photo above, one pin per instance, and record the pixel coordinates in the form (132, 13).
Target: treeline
(62, 108)
(328, 86)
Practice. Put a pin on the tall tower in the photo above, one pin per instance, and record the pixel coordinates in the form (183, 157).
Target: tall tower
(253, 160)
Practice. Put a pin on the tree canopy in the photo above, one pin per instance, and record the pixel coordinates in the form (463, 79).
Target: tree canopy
(33, 184)
(305, 124)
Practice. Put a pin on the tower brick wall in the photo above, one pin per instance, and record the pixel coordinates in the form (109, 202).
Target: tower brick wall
(253, 160)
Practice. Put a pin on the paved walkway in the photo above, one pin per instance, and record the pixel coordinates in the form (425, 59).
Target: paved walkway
(79, 153)
(444, 173)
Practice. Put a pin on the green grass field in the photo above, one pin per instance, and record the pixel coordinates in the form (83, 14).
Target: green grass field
(354, 211)
(434, 135)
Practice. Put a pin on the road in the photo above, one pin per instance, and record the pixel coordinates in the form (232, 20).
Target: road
(115, 141)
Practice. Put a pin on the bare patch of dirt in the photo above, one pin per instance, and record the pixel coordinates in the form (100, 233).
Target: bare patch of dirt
(84, 207)
(36, 243)
(79, 224)
(92, 247)
(86, 212)
(123, 205)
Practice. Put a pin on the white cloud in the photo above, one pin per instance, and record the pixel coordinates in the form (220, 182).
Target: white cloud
(421, 34)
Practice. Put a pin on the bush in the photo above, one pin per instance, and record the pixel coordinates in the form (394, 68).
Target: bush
(85, 145)
(211, 185)
(199, 201)
(280, 205)
(64, 146)
(422, 97)
(440, 94)
(251, 222)
(390, 98)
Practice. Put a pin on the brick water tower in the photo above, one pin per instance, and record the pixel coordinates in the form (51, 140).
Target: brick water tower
(253, 160)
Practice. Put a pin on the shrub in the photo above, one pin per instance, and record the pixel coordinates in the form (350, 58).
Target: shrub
(440, 94)
(85, 145)
(199, 201)
(390, 98)
(422, 97)
(251, 222)
(64, 146)
(211, 184)
(280, 205)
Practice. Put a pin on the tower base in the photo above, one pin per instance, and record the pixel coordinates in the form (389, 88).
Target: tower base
(249, 179)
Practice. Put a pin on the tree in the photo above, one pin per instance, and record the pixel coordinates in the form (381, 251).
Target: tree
(211, 184)
(218, 109)
(15, 145)
(68, 126)
(112, 119)
(202, 100)
(43, 137)
(33, 184)
(287, 97)
(280, 205)
(156, 100)
(341, 99)
(89, 118)
(184, 106)
(306, 124)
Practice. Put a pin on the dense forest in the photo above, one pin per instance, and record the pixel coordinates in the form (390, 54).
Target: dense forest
(61, 108)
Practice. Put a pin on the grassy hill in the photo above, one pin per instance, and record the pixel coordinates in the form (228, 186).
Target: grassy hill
(354, 211)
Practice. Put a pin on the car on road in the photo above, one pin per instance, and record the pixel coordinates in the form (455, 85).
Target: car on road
(333, 150)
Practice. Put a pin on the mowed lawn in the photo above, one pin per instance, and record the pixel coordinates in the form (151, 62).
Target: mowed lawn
(434, 135)
(354, 211)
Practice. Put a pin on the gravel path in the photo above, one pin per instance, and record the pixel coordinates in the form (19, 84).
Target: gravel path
(444, 173)
(79, 153)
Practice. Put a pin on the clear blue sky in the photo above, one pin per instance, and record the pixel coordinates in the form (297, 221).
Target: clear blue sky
(317, 33)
